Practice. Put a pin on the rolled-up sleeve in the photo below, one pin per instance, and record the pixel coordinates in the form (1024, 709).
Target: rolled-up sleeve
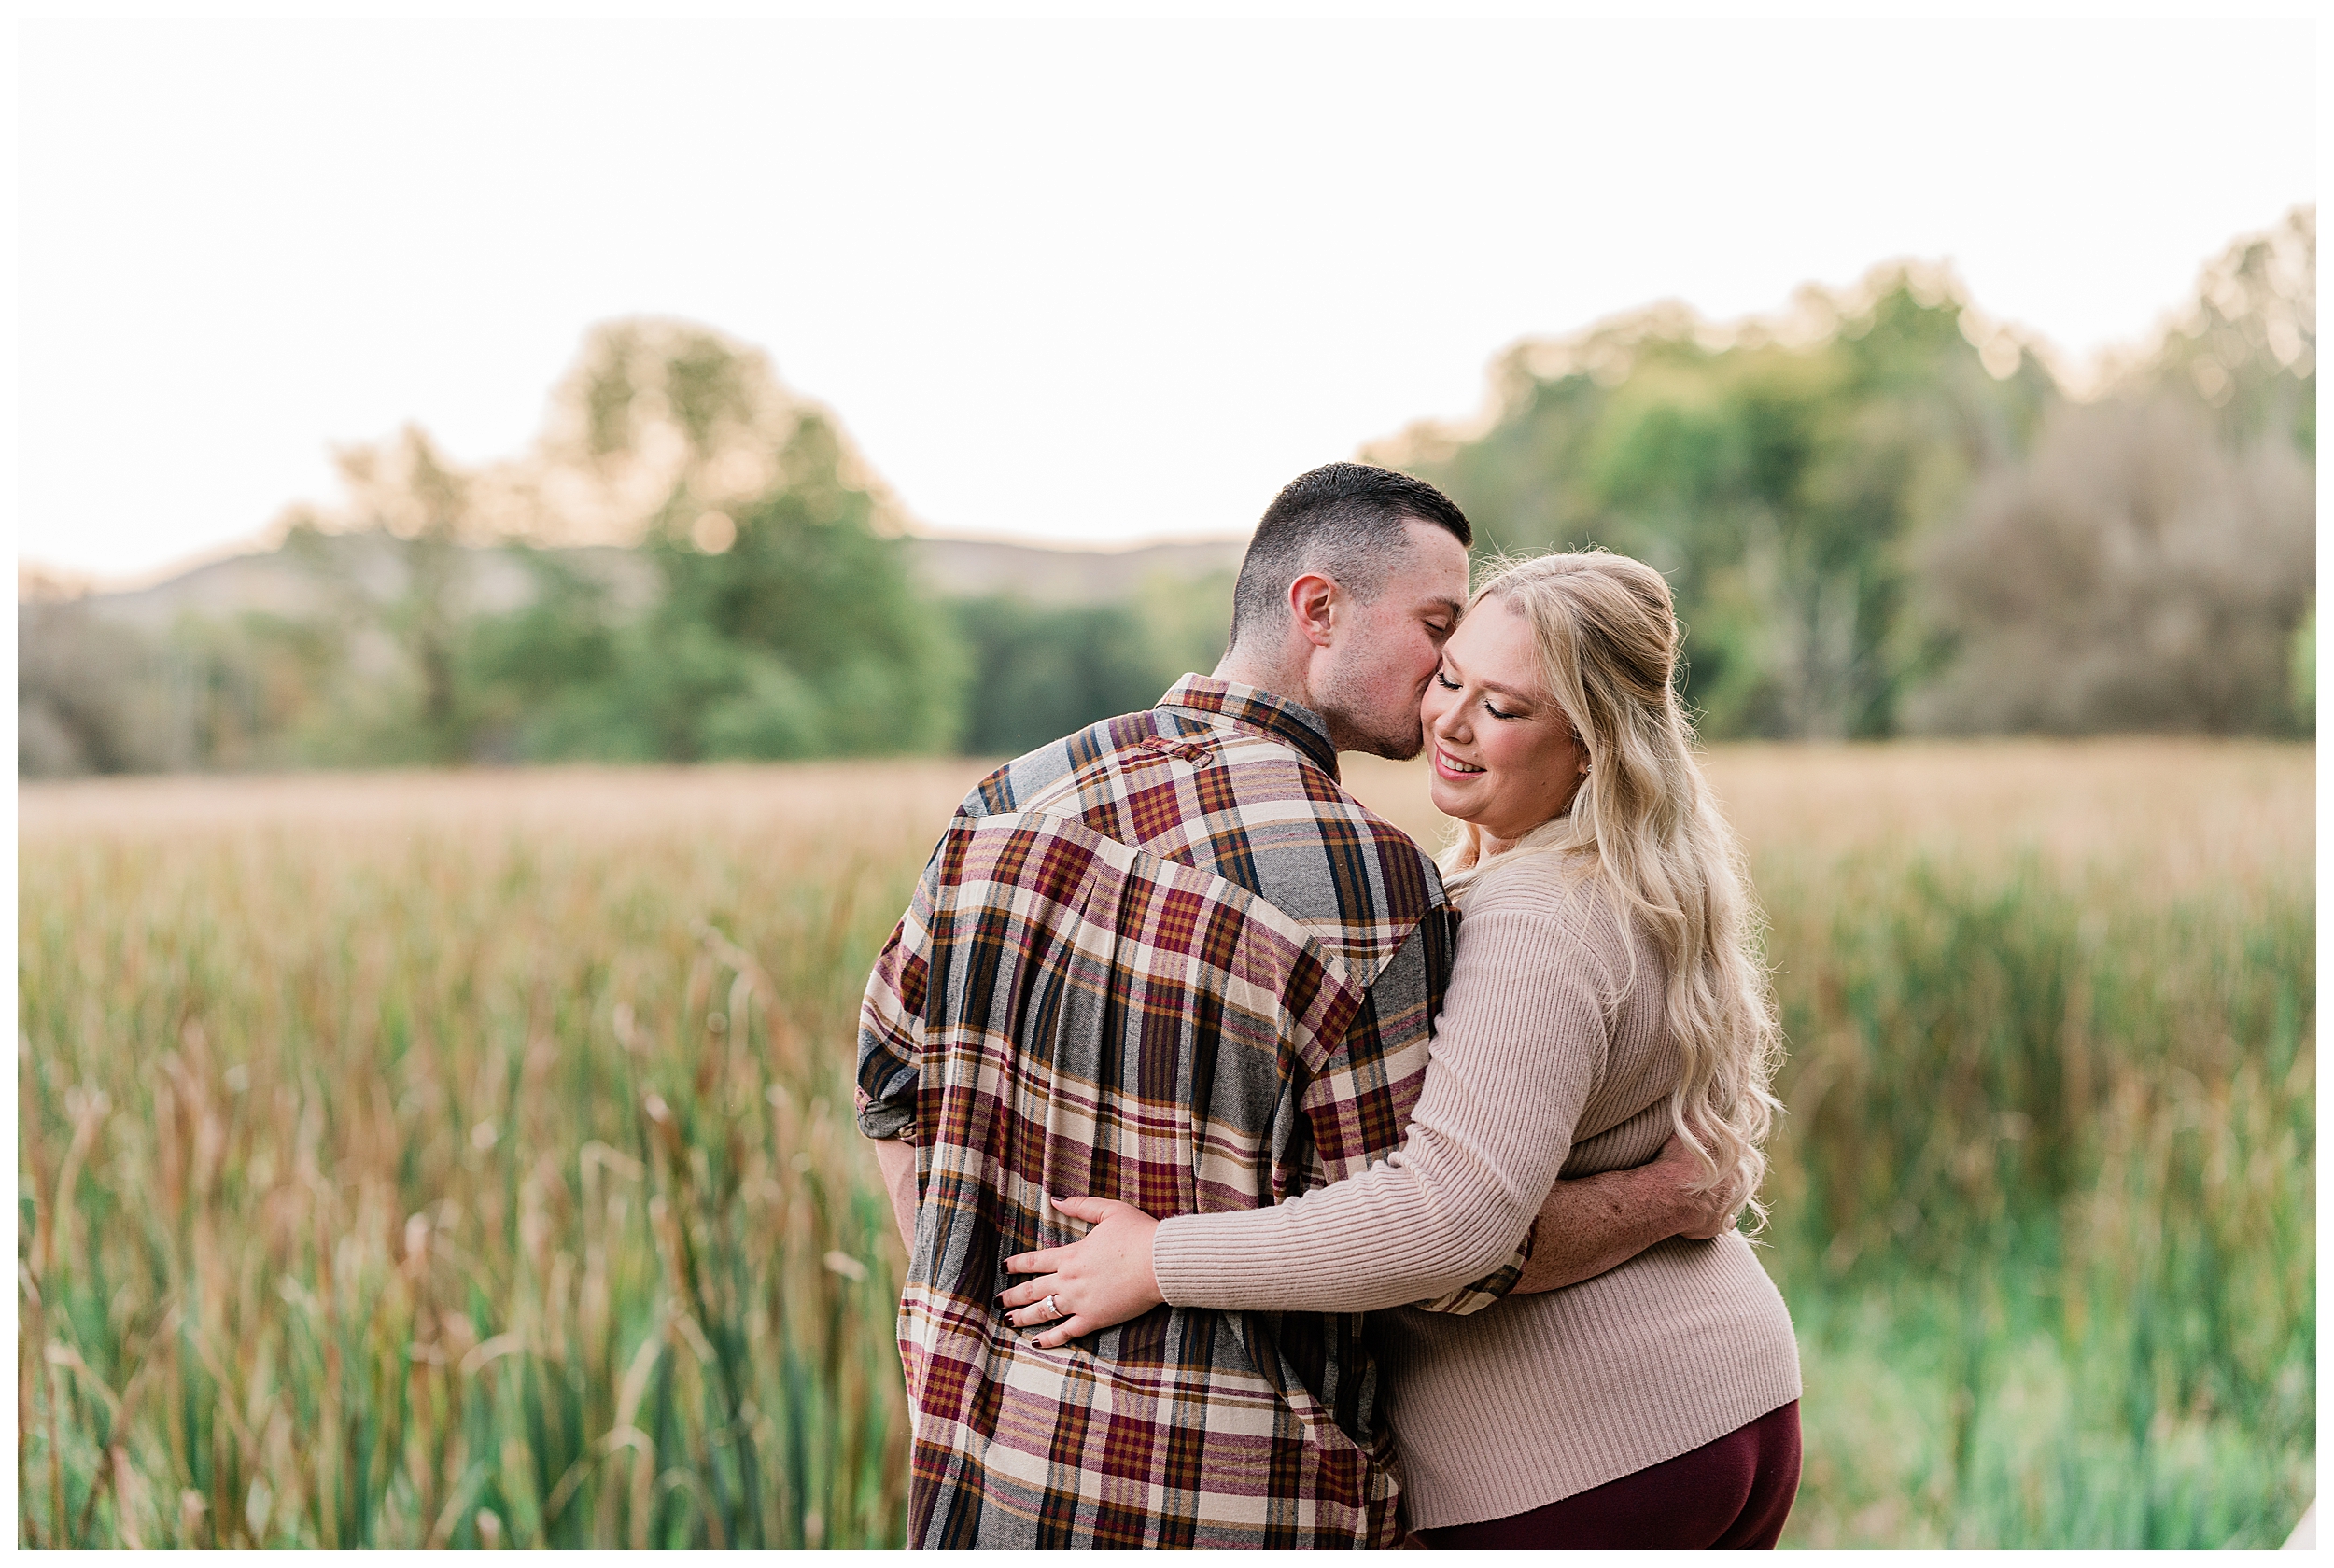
(891, 1019)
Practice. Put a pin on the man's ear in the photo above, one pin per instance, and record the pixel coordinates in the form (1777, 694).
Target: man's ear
(1313, 602)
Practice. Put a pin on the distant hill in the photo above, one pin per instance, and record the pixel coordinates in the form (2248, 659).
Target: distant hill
(273, 581)
(962, 569)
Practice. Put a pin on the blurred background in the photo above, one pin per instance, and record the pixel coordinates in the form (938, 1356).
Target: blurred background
(772, 425)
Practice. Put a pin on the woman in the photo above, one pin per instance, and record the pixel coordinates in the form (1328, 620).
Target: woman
(1606, 995)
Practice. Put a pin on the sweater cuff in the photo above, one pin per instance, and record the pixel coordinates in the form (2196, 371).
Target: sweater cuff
(1184, 1264)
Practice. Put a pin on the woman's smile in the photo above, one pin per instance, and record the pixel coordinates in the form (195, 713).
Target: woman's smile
(1451, 767)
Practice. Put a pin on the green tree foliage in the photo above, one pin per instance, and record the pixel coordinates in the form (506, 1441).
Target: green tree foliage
(2247, 343)
(803, 636)
(97, 696)
(2148, 565)
(1040, 671)
(420, 510)
(86, 701)
(1878, 512)
(543, 669)
(832, 649)
(1777, 472)
(2304, 670)
(257, 692)
(2133, 574)
(785, 623)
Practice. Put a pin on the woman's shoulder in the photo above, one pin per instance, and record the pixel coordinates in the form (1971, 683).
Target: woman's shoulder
(1545, 892)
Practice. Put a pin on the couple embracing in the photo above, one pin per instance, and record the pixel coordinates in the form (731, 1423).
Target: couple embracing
(1267, 1183)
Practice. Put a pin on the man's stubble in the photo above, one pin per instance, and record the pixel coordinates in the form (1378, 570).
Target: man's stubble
(1366, 727)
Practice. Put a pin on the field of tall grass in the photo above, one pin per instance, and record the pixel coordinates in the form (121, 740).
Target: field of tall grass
(467, 1159)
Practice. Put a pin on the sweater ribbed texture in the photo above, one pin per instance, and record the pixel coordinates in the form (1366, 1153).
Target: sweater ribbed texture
(1552, 1055)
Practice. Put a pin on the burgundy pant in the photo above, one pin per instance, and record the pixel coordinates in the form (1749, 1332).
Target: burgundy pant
(1731, 1494)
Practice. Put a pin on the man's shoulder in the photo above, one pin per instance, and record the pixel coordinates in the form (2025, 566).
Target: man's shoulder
(1236, 803)
(1136, 774)
(1034, 776)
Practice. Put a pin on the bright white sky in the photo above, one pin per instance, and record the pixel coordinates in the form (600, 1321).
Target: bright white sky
(1080, 282)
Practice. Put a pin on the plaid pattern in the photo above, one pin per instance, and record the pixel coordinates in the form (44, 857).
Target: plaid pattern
(1166, 960)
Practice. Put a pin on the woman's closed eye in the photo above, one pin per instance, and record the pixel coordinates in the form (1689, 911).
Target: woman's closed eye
(1443, 679)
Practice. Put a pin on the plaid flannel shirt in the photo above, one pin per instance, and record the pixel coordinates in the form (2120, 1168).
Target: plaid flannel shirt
(1166, 960)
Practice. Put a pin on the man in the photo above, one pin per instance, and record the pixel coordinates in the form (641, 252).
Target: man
(1169, 960)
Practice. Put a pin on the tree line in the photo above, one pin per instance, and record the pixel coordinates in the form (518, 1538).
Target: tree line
(1880, 511)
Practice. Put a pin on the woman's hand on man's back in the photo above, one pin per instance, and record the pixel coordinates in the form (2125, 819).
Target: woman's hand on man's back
(1101, 1280)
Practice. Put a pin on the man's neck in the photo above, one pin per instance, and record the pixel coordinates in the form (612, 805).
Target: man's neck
(1283, 684)
(1288, 683)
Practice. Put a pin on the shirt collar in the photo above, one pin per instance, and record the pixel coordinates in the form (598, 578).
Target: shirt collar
(1251, 708)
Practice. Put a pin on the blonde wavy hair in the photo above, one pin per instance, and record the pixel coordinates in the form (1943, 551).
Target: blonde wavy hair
(1644, 821)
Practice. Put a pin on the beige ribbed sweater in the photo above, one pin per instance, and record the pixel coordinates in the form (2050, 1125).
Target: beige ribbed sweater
(1536, 1397)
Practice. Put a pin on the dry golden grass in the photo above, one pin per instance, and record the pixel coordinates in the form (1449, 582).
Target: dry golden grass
(869, 803)
(2193, 813)
(2184, 815)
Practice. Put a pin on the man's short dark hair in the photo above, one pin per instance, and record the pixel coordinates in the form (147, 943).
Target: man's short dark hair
(1342, 519)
